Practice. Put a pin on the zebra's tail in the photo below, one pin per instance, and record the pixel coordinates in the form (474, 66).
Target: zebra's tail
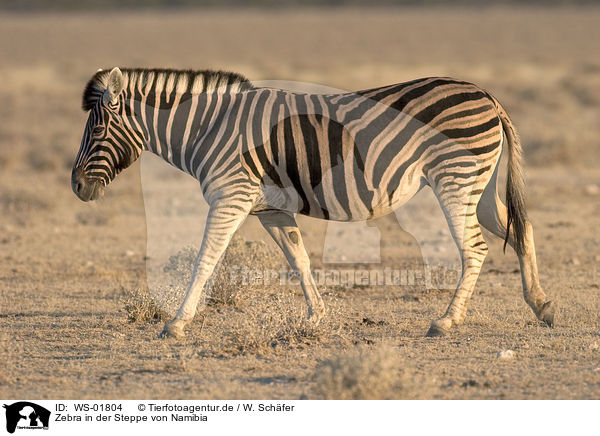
(515, 183)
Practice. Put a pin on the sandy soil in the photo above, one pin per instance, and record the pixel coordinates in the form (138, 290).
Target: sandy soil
(71, 272)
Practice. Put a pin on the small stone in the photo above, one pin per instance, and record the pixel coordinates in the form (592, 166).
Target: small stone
(89, 263)
(594, 346)
(575, 261)
(130, 253)
(506, 355)
(597, 258)
(592, 189)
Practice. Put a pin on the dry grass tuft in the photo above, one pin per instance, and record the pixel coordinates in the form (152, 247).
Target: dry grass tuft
(141, 307)
(237, 278)
(269, 323)
(242, 271)
(362, 374)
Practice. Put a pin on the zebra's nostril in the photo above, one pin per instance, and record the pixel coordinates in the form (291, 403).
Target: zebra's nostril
(79, 186)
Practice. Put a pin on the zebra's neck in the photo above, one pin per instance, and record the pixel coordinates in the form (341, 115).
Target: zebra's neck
(180, 112)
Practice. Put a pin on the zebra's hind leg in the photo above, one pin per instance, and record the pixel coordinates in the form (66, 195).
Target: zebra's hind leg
(493, 215)
(221, 223)
(459, 206)
(283, 229)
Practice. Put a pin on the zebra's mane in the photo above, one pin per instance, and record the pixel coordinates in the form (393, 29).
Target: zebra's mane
(159, 79)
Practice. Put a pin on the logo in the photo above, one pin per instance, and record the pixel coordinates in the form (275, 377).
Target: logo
(26, 415)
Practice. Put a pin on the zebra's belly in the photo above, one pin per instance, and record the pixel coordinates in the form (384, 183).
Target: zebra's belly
(336, 204)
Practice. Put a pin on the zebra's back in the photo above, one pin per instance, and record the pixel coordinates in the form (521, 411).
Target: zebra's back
(359, 155)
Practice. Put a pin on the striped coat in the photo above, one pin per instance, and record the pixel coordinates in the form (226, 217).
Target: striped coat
(345, 157)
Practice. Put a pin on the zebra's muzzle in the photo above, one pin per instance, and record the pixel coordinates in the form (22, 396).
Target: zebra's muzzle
(85, 188)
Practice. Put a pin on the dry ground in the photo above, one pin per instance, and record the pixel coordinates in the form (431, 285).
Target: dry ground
(68, 269)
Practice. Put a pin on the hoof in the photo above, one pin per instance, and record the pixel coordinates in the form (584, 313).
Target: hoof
(315, 316)
(172, 330)
(435, 332)
(438, 328)
(547, 313)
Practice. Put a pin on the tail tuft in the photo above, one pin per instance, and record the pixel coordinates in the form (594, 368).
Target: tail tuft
(515, 184)
(516, 210)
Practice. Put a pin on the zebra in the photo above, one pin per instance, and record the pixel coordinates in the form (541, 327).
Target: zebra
(348, 156)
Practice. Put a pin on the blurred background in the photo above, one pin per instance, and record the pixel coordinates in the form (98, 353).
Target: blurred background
(539, 58)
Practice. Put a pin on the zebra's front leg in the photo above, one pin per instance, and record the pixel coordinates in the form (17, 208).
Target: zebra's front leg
(221, 224)
(283, 229)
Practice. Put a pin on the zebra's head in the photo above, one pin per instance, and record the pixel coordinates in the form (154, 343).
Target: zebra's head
(110, 140)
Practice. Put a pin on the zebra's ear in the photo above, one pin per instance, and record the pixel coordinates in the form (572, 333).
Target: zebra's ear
(115, 84)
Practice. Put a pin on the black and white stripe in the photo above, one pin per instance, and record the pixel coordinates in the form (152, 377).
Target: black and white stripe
(346, 157)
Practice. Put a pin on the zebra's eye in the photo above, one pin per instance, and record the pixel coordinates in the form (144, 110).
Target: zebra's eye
(97, 131)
